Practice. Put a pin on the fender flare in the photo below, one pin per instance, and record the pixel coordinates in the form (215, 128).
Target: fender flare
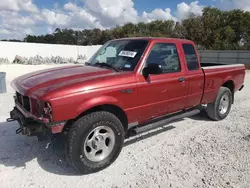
(97, 101)
(228, 78)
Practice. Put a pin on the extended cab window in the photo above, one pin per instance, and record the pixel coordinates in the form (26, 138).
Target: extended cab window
(165, 55)
(191, 58)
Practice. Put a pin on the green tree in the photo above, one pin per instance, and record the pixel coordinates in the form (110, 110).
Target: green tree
(214, 29)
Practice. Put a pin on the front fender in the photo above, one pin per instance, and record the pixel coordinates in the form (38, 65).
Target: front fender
(97, 101)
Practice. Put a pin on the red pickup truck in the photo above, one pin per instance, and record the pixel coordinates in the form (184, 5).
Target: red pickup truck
(129, 86)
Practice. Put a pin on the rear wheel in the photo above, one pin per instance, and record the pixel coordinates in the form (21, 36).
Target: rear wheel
(94, 142)
(220, 108)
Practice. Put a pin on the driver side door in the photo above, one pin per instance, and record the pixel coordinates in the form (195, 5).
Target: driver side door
(166, 92)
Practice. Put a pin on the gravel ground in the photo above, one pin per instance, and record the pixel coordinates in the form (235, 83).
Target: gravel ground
(194, 152)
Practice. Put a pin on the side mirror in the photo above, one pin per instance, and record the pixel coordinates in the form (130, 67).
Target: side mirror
(151, 69)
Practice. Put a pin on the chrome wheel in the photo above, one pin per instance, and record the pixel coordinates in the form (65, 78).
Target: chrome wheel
(99, 143)
(224, 104)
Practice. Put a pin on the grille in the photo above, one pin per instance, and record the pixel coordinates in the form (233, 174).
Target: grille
(24, 101)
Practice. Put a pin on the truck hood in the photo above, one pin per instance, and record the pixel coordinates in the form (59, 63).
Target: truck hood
(50, 79)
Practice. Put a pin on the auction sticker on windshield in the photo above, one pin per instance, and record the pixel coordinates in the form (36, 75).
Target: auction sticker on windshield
(127, 53)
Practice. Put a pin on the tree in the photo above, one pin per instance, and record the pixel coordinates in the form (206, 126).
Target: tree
(179, 31)
(194, 29)
(214, 29)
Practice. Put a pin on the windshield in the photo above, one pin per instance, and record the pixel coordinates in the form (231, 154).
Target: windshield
(120, 54)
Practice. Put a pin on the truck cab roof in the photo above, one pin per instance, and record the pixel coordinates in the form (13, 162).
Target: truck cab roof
(158, 39)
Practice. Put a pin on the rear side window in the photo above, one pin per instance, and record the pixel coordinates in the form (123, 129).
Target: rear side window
(165, 55)
(191, 58)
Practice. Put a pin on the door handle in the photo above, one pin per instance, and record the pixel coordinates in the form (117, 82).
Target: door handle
(181, 79)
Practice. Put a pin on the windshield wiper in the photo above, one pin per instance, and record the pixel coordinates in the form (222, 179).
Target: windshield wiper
(107, 65)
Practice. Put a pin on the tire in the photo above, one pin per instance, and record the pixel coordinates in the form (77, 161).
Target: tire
(86, 137)
(219, 110)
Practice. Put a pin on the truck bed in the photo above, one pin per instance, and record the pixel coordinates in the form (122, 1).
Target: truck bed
(220, 65)
(218, 74)
(211, 64)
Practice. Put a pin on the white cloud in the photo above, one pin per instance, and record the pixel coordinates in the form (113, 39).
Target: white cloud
(184, 9)
(14, 19)
(55, 18)
(88, 14)
(243, 4)
(80, 17)
(18, 5)
(158, 14)
(112, 12)
(28, 31)
(71, 7)
(238, 4)
(18, 20)
(15, 25)
(4, 31)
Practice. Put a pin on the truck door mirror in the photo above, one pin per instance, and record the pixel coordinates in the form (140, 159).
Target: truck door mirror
(151, 68)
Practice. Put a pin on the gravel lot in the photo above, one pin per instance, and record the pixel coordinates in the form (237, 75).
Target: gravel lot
(194, 152)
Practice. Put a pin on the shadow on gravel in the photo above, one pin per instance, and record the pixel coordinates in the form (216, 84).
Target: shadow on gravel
(18, 151)
(135, 139)
(247, 138)
(201, 117)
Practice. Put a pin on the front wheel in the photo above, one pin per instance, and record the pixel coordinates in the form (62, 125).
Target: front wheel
(94, 142)
(220, 108)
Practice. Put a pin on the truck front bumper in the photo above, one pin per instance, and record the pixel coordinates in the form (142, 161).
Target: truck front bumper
(28, 126)
(31, 125)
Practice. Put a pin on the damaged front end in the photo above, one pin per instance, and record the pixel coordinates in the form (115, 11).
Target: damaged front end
(28, 126)
(35, 119)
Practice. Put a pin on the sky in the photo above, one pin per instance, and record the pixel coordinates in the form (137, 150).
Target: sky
(21, 17)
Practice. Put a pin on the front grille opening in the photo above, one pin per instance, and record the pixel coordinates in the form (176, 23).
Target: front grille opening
(34, 106)
(19, 98)
(24, 101)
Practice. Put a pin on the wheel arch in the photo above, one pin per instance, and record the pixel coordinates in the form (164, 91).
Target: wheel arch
(230, 85)
(112, 108)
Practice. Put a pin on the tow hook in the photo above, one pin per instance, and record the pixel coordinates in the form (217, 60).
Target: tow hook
(10, 120)
(19, 130)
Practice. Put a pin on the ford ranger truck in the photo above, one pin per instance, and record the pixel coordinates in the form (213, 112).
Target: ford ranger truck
(128, 86)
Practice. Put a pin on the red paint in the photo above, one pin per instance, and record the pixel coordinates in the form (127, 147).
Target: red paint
(57, 128)
(72, 90)
(30, 115)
